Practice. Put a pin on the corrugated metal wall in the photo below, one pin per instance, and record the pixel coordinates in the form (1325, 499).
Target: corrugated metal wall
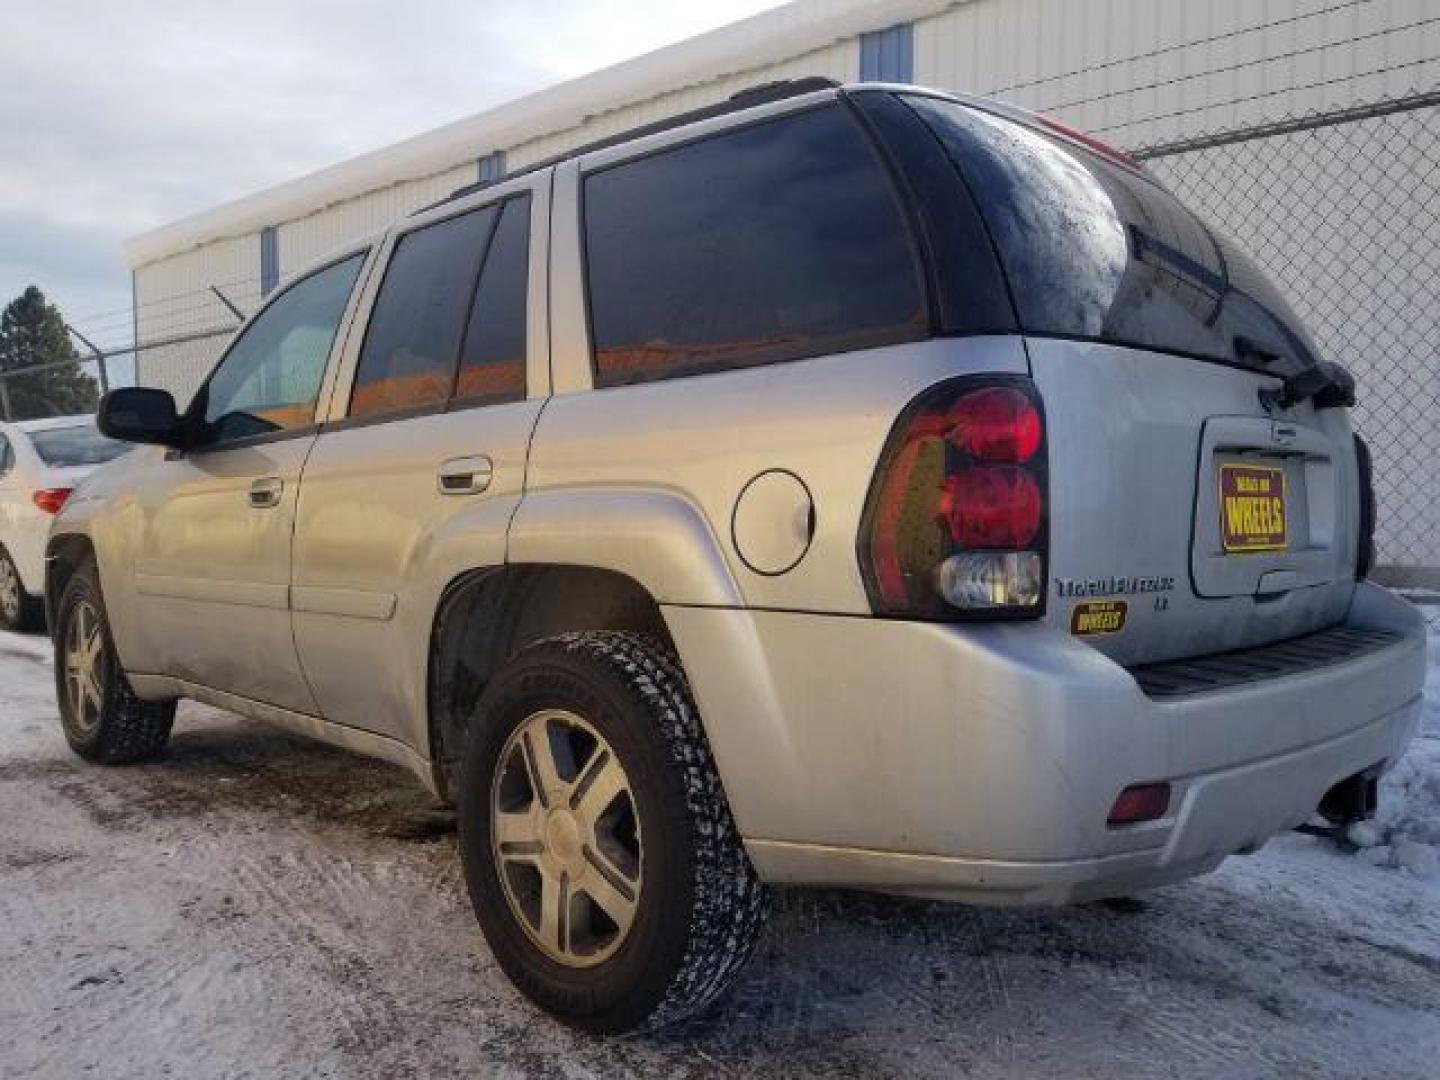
(1148, 71)
(173, 299)
(840, 61)
(309, 238)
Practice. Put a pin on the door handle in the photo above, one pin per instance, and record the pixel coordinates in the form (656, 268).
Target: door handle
(466, 475)
(265, 494)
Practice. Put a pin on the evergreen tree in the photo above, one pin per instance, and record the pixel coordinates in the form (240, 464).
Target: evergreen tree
(33, 335)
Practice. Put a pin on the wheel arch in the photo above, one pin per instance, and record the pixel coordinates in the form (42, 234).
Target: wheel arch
(65, 554)
(486, 616)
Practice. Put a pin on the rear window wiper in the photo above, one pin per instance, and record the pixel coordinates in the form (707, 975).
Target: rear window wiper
(1328, 384)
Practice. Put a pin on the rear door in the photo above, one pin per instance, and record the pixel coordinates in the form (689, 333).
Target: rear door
(1186, 517)
(424, 449)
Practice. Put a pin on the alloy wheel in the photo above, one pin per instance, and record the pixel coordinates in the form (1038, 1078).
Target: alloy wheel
(566, 838)
(10, 595)
(85, 667)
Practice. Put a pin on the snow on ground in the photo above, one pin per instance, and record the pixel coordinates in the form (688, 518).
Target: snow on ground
(1406, 832)
(260, 906)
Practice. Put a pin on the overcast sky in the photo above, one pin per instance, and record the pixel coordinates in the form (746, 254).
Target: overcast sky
(120, 115)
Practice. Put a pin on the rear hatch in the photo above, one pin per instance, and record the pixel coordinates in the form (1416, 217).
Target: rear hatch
(1186, 516)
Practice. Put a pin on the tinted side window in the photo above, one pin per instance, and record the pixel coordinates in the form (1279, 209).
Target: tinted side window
(492, 362)
(408, 359)
(270, 377)
(775, 241)
(7, 456)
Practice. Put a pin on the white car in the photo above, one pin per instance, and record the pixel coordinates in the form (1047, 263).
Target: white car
(41, 461)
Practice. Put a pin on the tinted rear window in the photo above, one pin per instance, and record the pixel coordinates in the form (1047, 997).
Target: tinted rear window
(1096, 250)
(492, 363)
(408, 359)
(82, 444)
(775, 241)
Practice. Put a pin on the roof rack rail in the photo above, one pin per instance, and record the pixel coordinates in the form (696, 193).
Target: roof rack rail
(749, 98)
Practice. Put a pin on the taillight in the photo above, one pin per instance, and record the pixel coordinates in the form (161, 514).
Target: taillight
(1365, 555)
(956, 520)
(1101, 147)
(51, 500)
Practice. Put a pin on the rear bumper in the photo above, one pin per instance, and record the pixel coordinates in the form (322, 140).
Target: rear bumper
(980, 763)
(1219, 814)
(27, 548)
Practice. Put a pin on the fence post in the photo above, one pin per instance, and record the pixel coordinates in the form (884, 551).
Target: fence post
(99, 358)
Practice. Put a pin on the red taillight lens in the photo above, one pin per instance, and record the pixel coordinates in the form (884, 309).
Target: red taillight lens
(51, 500)
(1140, 802)
(1101, 147)
(955, 522)
(992, 506)
(996, 424)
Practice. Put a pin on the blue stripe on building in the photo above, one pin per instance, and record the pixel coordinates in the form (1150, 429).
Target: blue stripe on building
(888, 55)
(269, 259)
(492, 167)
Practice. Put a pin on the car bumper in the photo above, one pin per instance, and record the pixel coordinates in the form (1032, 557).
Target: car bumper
(27, 548)
(980, 763)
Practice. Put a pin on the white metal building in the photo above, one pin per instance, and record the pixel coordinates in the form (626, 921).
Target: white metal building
(1159, 74)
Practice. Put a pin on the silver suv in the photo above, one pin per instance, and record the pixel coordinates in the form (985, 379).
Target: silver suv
(859, 487)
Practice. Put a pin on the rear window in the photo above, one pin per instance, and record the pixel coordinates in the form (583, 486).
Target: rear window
(65, 447)
(408, 359)
(492, 362)
(776, 241)
(1096, 250)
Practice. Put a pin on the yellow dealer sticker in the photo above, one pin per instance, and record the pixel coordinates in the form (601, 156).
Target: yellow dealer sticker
(1098, 617)
(1252, 508)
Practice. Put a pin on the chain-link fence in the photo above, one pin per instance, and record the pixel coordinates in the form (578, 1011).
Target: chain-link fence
(66, 388)
(1343, 210)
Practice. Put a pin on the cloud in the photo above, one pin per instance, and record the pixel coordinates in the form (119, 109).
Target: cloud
(119, 116)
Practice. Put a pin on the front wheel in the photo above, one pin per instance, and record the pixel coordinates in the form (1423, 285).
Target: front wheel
(601, 857)
(102, 718)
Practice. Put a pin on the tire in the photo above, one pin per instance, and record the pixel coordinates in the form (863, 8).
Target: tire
(697, 906)
(103, 720)
(19, 611)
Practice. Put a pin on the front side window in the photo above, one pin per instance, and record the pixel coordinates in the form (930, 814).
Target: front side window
(82, 444)
(776, 241)
(269, 380)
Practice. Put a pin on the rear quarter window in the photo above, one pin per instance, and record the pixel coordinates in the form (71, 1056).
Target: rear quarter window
(776, 241)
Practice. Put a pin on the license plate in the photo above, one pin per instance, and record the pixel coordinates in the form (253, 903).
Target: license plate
(1252, 508)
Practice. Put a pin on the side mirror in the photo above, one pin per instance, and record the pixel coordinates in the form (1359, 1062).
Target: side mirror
(140, 414)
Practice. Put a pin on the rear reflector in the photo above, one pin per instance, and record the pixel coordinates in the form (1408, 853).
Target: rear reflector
(1140, 802)
(51, 500)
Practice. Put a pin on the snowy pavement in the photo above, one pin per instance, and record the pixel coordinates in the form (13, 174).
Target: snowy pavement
(260, 906)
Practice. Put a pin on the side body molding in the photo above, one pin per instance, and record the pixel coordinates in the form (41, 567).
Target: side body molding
(657, 537)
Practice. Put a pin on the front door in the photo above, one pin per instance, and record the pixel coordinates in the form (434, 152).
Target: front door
(215, 522)
(424, 451)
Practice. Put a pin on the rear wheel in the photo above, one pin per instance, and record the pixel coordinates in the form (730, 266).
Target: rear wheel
(102, 718)
(604, 866)
(19, 611)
